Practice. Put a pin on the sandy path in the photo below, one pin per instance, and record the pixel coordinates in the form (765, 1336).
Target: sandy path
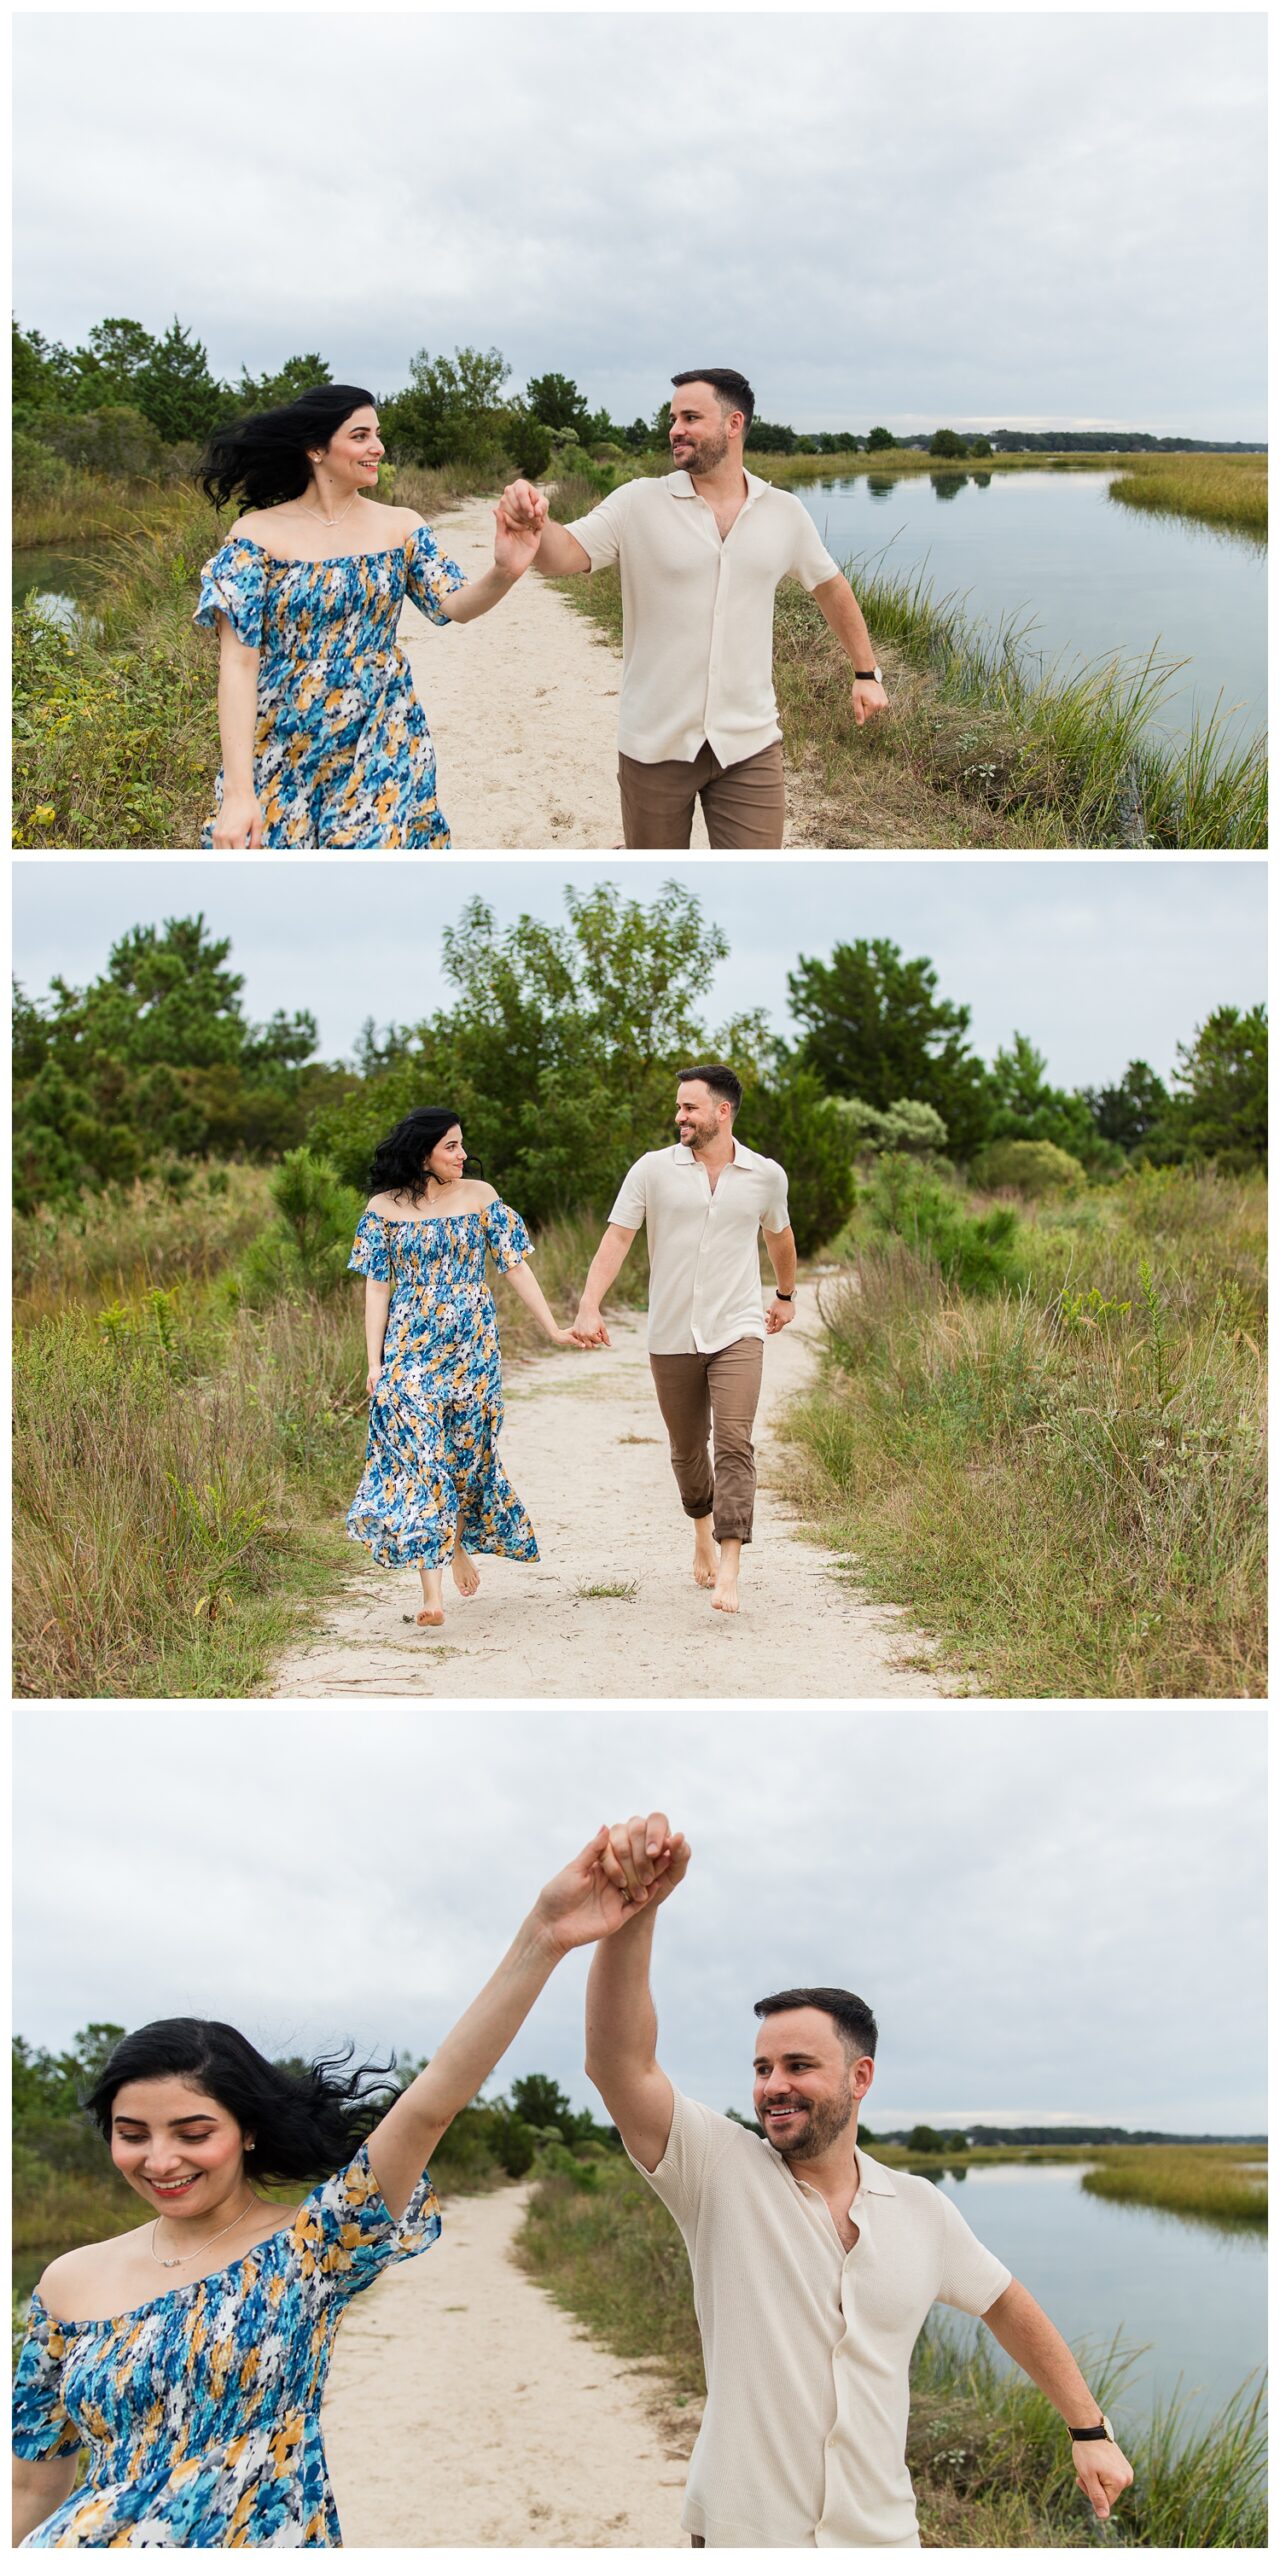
(584, 1445)
(523, 708)
(464, 2409)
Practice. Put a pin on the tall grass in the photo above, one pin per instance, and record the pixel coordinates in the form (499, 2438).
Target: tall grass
(179, 1224)
(1216, 488)
(986, 2451)
(1064, 1484)
(1188, 2180)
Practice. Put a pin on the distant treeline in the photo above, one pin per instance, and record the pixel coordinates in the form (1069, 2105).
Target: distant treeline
(127, 402)
(560, 1052)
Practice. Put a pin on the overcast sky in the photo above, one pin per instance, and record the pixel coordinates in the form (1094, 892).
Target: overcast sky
(1054, 1913)
(977, 219)
(1099, 962)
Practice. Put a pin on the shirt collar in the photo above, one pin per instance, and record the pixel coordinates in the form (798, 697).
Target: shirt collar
(744, 1156)
(873, 2178)
(680, 484)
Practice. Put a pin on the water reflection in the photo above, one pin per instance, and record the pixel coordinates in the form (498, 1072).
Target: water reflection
(948, 484)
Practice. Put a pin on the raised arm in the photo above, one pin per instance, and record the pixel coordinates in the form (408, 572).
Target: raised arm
(559, 553)
(515, 545)
(1026, 2333)
(622, 2023)
(239, 821)
(579, 1905)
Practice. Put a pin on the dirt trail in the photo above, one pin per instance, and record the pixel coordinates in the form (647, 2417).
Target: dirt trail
(523, 708)
(584, 1446)
(466, 2410)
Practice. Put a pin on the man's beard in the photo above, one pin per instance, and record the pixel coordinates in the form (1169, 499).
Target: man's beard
(825, 2121)
(696, 1137)
(706, 455)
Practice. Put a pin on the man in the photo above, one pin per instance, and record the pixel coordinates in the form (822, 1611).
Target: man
(705, 1202)
(813, 2266)
(702, 552)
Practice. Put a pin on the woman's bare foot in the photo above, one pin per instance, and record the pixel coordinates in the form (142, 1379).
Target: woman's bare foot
(725, 1594)
(704, 1554)
(464, 1573)
(431, 1614)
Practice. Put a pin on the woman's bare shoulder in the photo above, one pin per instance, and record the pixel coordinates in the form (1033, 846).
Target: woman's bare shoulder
(69, 2280)
(479, 1194)
(381, 1206)
(251, 524)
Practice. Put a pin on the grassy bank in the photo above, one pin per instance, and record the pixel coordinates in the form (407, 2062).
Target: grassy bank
(985, 2450)
(1062, 1481)
(1228, 2185)
(1228, 489)
(979, 750)
(183, 1462)
(115, 723)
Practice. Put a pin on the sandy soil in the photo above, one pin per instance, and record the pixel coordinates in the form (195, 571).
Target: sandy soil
(612, 1611)
(464, 2409)
(523, 708)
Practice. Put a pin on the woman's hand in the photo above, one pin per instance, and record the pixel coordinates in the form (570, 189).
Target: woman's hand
(581, 1905)
(239, 822)
(514, 545)
(564, 1340)
(371, 1382)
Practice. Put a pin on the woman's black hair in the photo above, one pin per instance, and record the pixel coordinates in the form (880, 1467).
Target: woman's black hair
(267, 457)
(400, 1159)
(306, 2118)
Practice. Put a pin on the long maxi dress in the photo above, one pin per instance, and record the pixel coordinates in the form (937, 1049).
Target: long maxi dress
(200, 2410)
(342, 753)
(432, 1471)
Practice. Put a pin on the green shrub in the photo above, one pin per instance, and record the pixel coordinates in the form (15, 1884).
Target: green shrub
(1033, 1166)
(906, 1128)
(977, 1254)
(793, 1119)
(304, 1253)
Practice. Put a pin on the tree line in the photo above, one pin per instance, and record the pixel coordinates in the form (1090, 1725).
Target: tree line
(131, 403)
(559, 1050)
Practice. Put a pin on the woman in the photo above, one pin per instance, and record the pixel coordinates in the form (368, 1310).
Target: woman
(433, 1489)
(190, 2355)
(323, 737)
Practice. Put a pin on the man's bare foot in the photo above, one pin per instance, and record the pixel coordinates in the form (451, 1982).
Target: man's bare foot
(464, 1573)
(704, 1555)
(725, 1595)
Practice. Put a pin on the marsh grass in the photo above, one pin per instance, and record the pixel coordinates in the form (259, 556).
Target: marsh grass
(1227, 2186)
(984, 2448)
(1063, 1483)
(1228, 489)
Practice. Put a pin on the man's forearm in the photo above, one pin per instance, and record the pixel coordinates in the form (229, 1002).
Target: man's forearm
(1026, 2333)
(842, 612)
(782, 1255)
(611, 1252)
(560, 554)
(622, 2023)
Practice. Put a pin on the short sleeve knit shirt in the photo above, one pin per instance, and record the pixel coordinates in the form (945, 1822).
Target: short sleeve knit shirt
(697, 611)
(807, 2346)
(704, 1245)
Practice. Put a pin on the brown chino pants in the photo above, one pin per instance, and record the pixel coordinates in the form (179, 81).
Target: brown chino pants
(706, 1392)
(743, 804)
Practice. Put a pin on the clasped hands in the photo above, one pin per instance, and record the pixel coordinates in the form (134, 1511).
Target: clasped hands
(519, 517)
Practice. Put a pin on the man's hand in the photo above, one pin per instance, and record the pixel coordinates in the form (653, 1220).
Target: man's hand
(868, 699)
(645, 1858)
(777, 1314)
(586, 1901)
(524, 506)
(1103, 2474)
(589, 1327)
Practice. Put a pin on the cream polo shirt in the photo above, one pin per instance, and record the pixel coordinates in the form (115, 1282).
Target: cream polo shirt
(697, 612)
(807, 2346)
(704, 1250)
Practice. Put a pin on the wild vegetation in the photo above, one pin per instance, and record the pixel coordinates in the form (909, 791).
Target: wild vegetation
(1040, 1425)
(1227, 2184)
(984, 2448)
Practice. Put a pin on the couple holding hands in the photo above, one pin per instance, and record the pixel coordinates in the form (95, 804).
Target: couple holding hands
(814, 2267)
(324, 741)
(434, 1492)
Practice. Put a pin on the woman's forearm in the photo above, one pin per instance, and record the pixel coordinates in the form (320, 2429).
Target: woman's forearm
(479, 595)
(526, 1287)
(400, 2147)
(238, 716)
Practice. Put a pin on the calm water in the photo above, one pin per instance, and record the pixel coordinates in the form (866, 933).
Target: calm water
(1193, 2294)
(64, 581)
(1098, 578)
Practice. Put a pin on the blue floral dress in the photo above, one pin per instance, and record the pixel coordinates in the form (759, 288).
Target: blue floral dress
(201, 2410)
(342, 754)
(432, 1465)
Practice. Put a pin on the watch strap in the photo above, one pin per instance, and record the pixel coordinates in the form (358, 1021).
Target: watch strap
(1101, 2434)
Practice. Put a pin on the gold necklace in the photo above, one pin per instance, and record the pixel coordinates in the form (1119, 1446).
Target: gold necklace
(205, 2244)
(342, 511)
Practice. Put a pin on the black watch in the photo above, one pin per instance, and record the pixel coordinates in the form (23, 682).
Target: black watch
(867, 675)
(1103, 2433)
(786, 1295)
